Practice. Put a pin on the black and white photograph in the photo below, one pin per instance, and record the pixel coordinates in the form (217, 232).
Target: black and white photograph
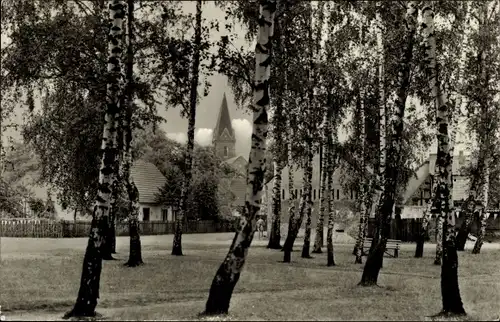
(250, 160)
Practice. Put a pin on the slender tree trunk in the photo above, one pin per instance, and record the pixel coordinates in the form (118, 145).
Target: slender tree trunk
(308, 200)
(113, 235)
(177, 243)
(135, 251)
(275, 233)
(88, 293)
(461, 103)
(419, 250)
(484, 214)
(292, 196)
(379, 181)
(318, 241)
(296, 221)
(363, 211)
(229, 272)
(439, 239)
(468, 208)
(482, 231)
(330, 257)
(375, 258)
(318, 56)
(452, 302)
(310, 152)
(484, 138)
(330, 156)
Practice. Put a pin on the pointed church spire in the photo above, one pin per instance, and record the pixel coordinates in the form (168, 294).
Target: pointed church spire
(223, 122)
(224, 140)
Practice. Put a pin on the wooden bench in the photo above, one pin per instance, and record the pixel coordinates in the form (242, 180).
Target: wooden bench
(392, 244)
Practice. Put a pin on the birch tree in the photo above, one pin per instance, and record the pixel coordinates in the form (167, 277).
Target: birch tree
(374, 261)
(229, 272)
(177, 242)
(135, 251)
(92, 262)
(482, 110)
(452, 302)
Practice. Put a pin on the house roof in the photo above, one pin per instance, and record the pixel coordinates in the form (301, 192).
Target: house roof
(460, 182)
(148, 180)
(415, 182)
(459, 163)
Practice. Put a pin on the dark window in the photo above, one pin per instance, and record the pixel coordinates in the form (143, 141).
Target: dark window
(283, 194)
(356, 195)
(352, 194)
(338, 194)
(296, 193)
(314, 198)
(164, 214)
(226, 151)
(333, 194)
(145, 214)
(301, 192)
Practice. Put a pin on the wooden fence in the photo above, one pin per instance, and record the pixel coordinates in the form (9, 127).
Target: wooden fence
(63, 229)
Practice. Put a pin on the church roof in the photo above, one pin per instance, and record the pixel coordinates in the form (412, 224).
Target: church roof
(223, 121)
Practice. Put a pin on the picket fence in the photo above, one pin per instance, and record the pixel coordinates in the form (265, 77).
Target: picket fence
(406, 230)
(38, 228)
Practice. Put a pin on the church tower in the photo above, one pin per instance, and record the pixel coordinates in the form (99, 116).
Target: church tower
(224, 140)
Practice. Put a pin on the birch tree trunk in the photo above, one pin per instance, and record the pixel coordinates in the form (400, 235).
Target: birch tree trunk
(318, 82)
(419, 250)
(291, 193)
(461, 102)
(378, 188)
(195, 70)
(278, 132)
(375, 258)
(330, 169)
(452, 302)
(229, 272)
(296, 220)
(484, 214)
(275, 233)
(308, 198)
(88, 293)
(465, 228)
(318, 241)
(310, 152)
(440, 218)
(363, 213)
(135, 251)
(439, 238)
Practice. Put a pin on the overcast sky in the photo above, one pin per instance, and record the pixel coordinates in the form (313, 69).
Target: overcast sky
(208, 108)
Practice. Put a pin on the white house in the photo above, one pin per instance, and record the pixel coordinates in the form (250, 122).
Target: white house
(149, 180)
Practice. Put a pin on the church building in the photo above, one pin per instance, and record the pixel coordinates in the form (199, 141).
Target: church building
(224, 144)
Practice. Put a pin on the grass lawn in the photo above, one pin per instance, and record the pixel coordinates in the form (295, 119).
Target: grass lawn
(39, 279)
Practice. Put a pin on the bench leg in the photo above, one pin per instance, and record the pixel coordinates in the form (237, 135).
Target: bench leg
(396, 253)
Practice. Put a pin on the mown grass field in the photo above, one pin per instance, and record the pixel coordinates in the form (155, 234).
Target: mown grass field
(40, 279)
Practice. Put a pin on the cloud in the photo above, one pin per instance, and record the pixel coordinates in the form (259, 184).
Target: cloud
(203, 136)
(243, 132)
(178, 137)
